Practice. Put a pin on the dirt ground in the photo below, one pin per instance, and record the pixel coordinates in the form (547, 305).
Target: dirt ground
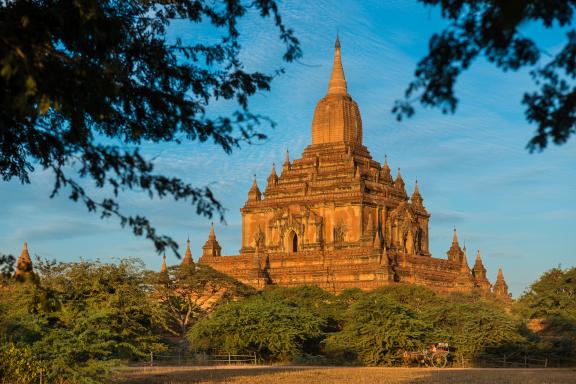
(313, 375)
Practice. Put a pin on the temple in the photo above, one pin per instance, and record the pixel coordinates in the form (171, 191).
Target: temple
(24, 270)
(338, 219)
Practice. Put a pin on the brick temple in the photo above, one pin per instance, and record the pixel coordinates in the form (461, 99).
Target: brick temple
(336, 218)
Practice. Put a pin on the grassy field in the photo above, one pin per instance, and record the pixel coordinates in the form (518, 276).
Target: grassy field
(313, 375)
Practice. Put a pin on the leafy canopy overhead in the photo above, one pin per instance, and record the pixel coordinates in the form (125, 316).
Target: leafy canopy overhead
(492, 29)
(83, 82)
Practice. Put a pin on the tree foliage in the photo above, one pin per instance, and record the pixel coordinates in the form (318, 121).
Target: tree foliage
(7, 263)
(553, 294)
(376, 329)
(19, 365)
(273, 329)
(492, 29)
(474, 330)
(83, 82)
(78, 320)
(82, 318)
(188, 293)
(551, 301)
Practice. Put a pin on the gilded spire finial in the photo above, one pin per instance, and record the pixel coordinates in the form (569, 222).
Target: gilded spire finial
(337, 85)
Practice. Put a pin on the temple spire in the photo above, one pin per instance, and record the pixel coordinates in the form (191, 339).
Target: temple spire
(254, 193)
(465, 266)
(500, 288)
(399, 182)
(164, 268)
(416, 196)
(211, 248)
(24, 265)
(455, 253)
(386, 175)
(187, 260)
(337, 85)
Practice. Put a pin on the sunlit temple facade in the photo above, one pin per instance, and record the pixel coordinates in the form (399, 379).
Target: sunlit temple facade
(338, 219)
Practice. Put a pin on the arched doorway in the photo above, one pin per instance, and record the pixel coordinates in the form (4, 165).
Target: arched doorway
(292, 242)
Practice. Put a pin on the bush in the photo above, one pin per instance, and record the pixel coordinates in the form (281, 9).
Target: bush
(274, 330)
(18, 365)
(474, 330)
(375, 331)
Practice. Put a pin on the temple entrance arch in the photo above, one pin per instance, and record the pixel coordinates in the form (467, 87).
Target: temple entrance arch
(292, 241)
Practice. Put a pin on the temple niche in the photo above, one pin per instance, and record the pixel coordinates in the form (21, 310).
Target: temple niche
(337, 218)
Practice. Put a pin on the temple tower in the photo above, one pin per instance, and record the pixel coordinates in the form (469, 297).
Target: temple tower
(337, 116)
(211, 247)
(500, 289)
(24, 270)
(455, 253)
(479, 273)
(187, 260)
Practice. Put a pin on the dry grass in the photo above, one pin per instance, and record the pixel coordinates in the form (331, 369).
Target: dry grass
(312, 375)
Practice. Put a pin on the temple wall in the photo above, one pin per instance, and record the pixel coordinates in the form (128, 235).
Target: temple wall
(364, 268)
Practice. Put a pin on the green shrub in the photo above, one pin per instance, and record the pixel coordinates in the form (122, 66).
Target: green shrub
(274, 330)
(375, 331)
(18, 365)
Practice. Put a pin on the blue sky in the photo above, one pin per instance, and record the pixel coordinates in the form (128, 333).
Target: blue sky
(473, 170)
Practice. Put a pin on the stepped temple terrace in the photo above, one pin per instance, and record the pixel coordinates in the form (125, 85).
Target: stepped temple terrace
(337, 218)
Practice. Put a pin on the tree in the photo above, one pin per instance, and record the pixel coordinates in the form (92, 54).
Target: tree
(80, 320)
(84, 81)
(553, 294)
(474, 330)
(550, 302)
(376, 330)
(189, 293)
(490, 28)
(7, 263)
(273, 329)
